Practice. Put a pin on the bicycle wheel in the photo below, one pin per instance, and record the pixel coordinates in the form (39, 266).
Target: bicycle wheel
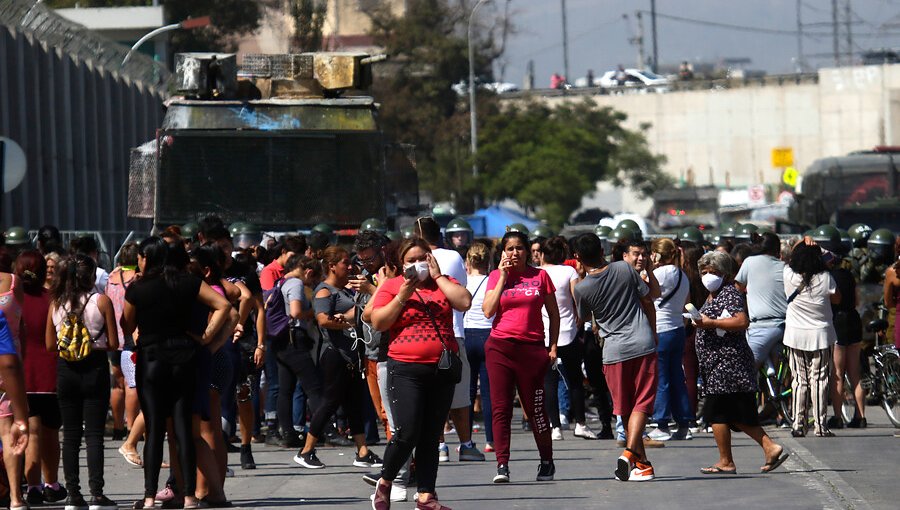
(890, 383)
(848, 407)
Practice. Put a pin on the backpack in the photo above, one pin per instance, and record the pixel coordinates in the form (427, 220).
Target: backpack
(73, 340)
(277, 320)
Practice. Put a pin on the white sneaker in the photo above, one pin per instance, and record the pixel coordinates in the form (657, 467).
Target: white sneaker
(659, 435)
(556, 434)
(585, 432)
(443, 453)
(399, 494)
(563, 422)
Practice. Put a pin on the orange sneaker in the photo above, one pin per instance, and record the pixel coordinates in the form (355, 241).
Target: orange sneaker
(642, 472)
(625, 464)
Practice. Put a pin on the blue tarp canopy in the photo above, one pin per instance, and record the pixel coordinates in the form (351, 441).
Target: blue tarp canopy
(492, 221)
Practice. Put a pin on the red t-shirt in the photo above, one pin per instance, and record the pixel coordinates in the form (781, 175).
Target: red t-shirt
(413, 337)
(519, 314)
(270, 275)
(40, 364)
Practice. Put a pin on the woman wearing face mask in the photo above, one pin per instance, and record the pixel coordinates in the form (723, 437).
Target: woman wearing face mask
(417, 308)
(515, 353)
(726, 366)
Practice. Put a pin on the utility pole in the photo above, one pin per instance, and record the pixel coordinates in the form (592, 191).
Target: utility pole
(655, 66)
(834, 33)
(799, 37)
(642, 61)
(565, 36)
(848, 21)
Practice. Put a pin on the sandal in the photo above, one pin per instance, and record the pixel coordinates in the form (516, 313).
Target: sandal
(131, 457)
(716, 470)
(139, 505)
(773, 464)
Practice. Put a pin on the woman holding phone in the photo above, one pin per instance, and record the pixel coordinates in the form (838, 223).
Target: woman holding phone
(417, 308)
(515, 353)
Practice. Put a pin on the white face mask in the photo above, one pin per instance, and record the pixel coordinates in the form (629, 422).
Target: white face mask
(712, 282)
(421, 269)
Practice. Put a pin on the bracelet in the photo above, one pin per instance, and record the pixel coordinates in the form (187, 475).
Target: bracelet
(261, 347)
(402, 301)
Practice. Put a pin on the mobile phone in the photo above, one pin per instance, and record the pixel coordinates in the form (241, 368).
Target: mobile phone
(410, 273)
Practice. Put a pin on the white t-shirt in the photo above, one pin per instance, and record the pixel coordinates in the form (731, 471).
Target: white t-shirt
(809, 324)
(562, 277)
(451, 264)
(668, 316)
(101, 280)
(474, 318)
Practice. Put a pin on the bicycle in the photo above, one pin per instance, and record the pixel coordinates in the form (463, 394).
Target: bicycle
(882, 383)
(775, 388)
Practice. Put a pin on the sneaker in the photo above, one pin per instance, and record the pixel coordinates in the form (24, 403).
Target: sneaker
(229, 473)
(470, 453)
(52, 495)
(76, 501)
(563, 422)
(443, 453)
(430, 504)
(308, 460)
(682, 434)
(546, 470)
(101, 502)
(556, 434)
(34, 496)
(273, 437)
(335, 439)
(856, 423)
(399, 493)
(370, 460)
(247, 461)
(502, 475)
(641, 472)
(694, 427)
(584, 432)
(606, 432)
(381, 500)
(836, 422)
(371, 478)
(653, 443)
(660, 435)
(624, 465)
(291, 439)
(489, 448)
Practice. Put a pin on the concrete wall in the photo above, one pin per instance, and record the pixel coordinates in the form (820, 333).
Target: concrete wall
(725, 137)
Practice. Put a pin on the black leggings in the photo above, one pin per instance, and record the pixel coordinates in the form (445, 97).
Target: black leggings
(570, 357)
(593, 366)
(295, 364)
(342, 387)
(420, 402)
(166, 390)
(83, 393)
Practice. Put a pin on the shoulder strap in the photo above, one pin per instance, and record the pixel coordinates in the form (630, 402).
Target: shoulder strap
(796, 292)
(674, 290)
(433, 321)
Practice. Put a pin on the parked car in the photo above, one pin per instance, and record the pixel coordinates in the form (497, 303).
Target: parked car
(633, 78)
(497, 87)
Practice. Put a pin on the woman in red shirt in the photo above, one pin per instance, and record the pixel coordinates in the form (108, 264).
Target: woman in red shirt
(417, 308)
(515, 354)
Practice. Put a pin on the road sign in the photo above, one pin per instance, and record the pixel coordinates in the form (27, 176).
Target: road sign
(12, 164)
(782, 157)
(757, 194)
(790, 176)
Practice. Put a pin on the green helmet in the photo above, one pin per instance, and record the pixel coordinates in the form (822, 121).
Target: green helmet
(619, 233)
(458, 233)
(189, 230)
(846, 242)
(730, 231)
(745, 232)
(809, 233)
(692, 234)
(828, 237)
(602, 231)
(235, 227)
(373, 224)
(881, 245)
(859, 233)
(631, 225)
(16, 236)
(393, 235)
(407, 232)
(517, 227)
(245, 234)
(324, 228)
(542, 230)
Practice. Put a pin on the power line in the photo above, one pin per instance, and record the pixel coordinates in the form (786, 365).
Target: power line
(762, 30)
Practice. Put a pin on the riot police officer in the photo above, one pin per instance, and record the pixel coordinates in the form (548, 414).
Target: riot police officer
(458, 235)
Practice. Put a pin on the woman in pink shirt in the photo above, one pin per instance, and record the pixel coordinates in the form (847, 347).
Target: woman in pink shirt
(515, 354)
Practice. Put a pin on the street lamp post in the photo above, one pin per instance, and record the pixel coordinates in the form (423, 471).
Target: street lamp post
(473, 114)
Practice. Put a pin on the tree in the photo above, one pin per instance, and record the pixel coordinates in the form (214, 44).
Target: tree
(309, 16)
(547, 159)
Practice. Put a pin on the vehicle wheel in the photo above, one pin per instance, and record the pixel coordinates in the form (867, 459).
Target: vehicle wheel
(848, 408)
(786, 398)
(890, 401)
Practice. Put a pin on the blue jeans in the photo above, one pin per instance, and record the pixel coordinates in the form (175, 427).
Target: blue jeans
(475, 339)
(671, 390)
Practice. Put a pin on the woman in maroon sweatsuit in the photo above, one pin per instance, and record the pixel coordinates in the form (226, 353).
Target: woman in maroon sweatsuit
(515, 355)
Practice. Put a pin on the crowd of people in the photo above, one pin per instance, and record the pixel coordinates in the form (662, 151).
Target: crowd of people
(202, 337)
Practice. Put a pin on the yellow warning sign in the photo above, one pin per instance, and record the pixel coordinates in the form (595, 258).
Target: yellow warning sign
(782, 157)
(790, 176)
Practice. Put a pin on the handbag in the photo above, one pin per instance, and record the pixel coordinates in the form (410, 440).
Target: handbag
(449, 366)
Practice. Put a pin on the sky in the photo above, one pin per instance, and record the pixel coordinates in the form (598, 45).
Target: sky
(598, 34)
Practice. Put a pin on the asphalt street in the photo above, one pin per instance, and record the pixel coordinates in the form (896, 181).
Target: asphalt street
(858, 469)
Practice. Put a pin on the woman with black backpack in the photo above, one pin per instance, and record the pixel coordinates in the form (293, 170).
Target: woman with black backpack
(82, 325)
